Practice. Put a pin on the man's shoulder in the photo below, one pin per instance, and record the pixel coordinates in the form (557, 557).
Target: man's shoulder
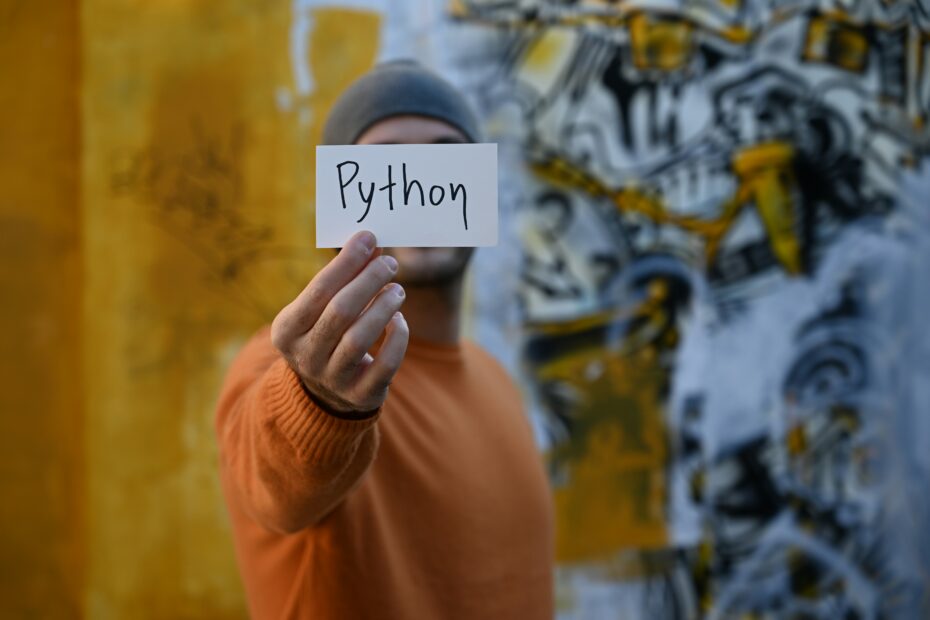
(474, 350)
(483, 358)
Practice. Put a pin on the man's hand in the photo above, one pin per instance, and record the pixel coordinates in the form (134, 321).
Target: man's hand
(326, 332)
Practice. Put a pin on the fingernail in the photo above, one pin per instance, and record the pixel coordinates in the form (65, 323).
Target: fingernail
(390, 262)
(399, 316)
(399, 290)
(368, 240)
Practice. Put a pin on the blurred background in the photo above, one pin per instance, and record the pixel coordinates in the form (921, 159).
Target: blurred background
(711, 284)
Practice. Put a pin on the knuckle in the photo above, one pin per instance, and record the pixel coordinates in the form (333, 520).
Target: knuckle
(303, 367)
(339, 312)
(309, 344)
(315, 296)
(305, 354)
(354, 345)
(309, 361)
(278, 338)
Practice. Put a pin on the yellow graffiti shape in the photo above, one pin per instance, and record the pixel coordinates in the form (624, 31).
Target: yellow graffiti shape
(765, 180)
(660, 43)
(835, 41)
(614, 498)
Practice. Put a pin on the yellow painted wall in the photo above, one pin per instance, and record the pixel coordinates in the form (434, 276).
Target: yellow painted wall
(41, 407)
(156, 184)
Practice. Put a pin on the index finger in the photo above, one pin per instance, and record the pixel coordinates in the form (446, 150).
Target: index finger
(302, 313)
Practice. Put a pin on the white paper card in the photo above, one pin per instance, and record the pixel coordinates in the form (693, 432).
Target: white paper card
(408, 195)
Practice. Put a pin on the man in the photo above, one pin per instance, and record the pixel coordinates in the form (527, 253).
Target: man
(350, 501)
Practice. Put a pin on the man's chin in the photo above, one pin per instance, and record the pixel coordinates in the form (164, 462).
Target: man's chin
(430, 266)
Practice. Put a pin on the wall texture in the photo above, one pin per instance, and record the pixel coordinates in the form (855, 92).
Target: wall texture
(157, 208)
(197, 180)
(41, 518)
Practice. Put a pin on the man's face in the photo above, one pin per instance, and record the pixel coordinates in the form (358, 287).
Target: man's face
(421, 266)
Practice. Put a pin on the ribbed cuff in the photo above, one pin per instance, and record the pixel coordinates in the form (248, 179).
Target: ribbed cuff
(316, 434)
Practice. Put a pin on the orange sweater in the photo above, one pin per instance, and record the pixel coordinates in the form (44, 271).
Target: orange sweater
(435, 507)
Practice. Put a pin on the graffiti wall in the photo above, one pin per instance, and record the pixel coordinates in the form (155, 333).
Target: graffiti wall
(722, 227)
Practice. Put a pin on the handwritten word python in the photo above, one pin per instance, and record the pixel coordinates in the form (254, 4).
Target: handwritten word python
(436, 194)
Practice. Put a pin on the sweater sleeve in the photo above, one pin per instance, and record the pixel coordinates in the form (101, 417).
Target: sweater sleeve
(286, 461)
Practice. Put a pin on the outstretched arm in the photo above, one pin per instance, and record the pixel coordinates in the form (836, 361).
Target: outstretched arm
(296, 419)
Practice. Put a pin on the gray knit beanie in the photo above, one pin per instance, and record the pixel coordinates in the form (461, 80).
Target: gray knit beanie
(392, 89)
